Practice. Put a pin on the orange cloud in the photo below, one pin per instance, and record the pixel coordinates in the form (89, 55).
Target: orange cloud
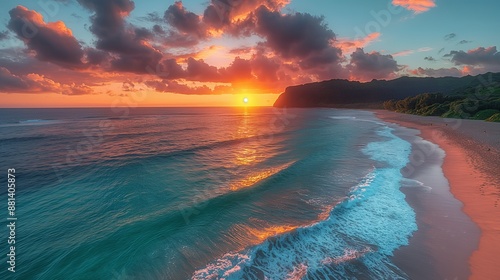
(349, 46)
(417, 6)
(240, 11)
(203, 54)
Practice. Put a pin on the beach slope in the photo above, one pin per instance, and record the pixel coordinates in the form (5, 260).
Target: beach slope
(471, 165)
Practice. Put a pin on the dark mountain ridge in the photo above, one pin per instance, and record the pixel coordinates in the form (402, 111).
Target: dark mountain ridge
(344, 93)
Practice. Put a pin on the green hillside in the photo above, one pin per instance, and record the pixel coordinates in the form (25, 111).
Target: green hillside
(480, 102)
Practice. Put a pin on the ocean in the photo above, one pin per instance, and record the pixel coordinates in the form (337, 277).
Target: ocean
(204, 193)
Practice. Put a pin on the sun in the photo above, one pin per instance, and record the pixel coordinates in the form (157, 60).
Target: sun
(245, 100)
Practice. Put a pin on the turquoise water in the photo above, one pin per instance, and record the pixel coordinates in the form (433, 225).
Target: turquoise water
(205, 193)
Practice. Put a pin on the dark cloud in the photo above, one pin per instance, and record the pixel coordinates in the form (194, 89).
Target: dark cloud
(480, 56)
(429, 58)
(302, 38)
(158, 29)
(153, 17)
(450, 36)
(184, 21)
(266, 69)
(441, 50)
(199, 70)
(143, 34)
(129, 44)
(293, 35)
(327, 56)
(34, 83)
(52, 42)
(171, 69)
(175, 87)
(96, 57)
(464, 42)
(11, 82)
(21, 65)
(372, 65)
(178, 40)
(242, 28)
(213, 18)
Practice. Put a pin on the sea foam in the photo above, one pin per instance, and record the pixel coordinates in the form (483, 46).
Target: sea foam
(357, 239)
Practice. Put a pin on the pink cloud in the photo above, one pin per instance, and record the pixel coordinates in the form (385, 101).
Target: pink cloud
(408, 52)
(349, 46)
(417, 6)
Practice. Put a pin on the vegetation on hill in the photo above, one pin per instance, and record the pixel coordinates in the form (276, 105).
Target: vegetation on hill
(474, 102)
(353, 94)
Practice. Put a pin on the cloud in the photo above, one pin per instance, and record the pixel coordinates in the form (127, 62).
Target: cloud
(298, 37)
(199, 70)
(9, 81)
(21, 65)
(36, 83)
(441, 72)
(349, 45)
(480, 56)
(477, 61)
(222, 13)
(53, 41)
(265, 69)
(4, 35)
(417, 6)
(153, 17)
(175, 87)
(366, 66)
(408, 52)
(464, 42)
(242, 50)
(239, 70)
(425, 49)
(184, 21)
(403, 53)
(177, 40)
(450, 36)
(174, 52)
(202, 54)
(128, 44)
(293, 35)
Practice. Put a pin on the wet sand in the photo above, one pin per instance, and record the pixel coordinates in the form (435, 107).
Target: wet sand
(446, 240)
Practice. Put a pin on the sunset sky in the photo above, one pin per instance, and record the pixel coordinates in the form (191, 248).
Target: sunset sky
(70, 53)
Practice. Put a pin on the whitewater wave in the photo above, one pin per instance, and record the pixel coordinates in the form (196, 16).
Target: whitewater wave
(357, 238)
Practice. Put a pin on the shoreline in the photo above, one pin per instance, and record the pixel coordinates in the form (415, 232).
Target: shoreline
(470, 166)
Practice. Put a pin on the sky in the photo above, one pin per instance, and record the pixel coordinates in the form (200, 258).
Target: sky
(97, 53)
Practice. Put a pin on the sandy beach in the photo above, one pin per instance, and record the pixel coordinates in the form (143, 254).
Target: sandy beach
(471, 164)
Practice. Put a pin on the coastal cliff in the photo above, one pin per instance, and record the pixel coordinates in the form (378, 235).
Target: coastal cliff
(353, 94)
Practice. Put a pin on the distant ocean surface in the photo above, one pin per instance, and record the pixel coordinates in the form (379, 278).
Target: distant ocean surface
(204, 193)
